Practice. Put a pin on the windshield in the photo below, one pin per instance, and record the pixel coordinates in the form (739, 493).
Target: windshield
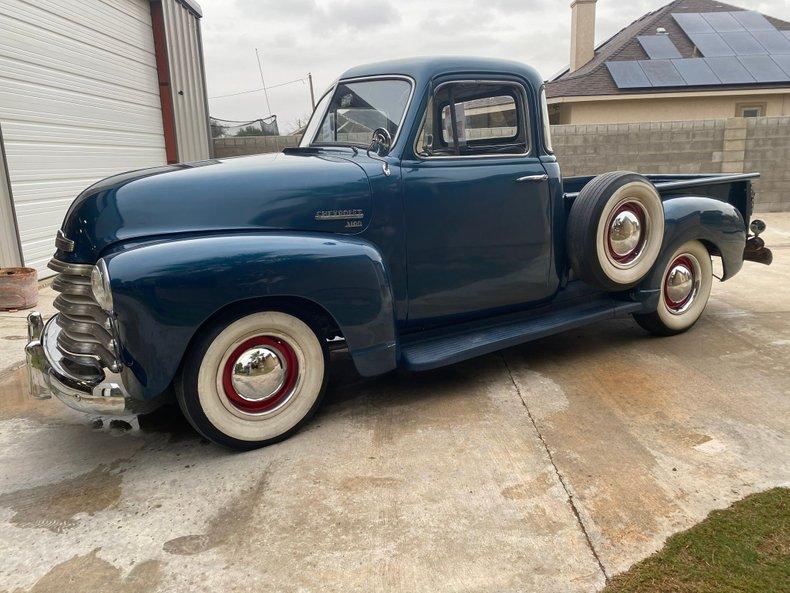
(356, 109)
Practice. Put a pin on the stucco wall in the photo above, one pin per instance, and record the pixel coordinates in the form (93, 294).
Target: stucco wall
(669, 109)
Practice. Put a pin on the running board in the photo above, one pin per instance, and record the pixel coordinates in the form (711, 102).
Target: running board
(430, 353)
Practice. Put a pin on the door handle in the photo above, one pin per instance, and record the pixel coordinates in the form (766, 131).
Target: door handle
(533, 178)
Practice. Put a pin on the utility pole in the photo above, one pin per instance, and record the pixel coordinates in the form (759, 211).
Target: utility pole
(312, 94)
(263, 82)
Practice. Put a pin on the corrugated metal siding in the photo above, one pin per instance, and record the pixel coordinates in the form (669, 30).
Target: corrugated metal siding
(79, 101)
(187, 82)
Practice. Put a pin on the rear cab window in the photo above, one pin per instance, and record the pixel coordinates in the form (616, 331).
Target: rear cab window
(544, 114)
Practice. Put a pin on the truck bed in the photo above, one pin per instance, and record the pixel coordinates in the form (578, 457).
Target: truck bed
(734, 189)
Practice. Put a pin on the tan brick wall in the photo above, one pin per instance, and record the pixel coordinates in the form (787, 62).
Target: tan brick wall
(734, 145)
(768, 151)
(226, 147)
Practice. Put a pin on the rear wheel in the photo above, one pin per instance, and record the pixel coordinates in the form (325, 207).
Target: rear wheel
(252, 381)
(685, 289)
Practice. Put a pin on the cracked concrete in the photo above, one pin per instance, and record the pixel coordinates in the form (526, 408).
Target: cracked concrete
(541, 468)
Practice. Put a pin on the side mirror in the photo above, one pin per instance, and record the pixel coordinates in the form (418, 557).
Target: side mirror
(381, 142)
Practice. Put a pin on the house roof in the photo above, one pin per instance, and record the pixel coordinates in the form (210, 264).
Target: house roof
(594, 77)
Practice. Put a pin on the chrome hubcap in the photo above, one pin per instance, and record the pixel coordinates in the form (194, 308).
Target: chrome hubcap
(626, 234)
(258, 373)
(681, 283)
(626, 230)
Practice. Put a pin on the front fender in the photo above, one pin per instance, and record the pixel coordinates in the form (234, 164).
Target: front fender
(713, 222)
(164, 291)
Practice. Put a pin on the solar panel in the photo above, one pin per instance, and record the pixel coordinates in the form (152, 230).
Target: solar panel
(729, 70)
(722, 22)
(696, 72)
(783, 62)
(764, 69)
(743, 43)
(628, 75)
(774, 41)
(786, 34)
(692, 22)
(662, 73)
(752, 20)
(711, 45)
(659, 47)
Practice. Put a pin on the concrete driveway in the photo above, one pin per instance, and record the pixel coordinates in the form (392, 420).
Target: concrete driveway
(547, 467)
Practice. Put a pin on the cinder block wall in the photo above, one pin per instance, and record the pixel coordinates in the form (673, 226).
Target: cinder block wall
(658, 147)
(225, 147)
(768, 151)
(733, 145)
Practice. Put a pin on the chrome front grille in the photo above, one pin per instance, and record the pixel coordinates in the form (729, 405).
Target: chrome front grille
(86, 334)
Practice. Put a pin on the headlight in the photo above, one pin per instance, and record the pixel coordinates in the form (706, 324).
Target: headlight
(100, 286)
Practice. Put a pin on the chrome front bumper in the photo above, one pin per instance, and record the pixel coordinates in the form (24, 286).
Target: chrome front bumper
(47, 376)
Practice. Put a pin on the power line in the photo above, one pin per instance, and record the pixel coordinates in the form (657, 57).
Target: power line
(273, 86)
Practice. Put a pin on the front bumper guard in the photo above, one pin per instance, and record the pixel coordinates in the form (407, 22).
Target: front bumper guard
(47, 376)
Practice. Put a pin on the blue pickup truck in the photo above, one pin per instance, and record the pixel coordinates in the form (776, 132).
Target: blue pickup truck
(422, 221)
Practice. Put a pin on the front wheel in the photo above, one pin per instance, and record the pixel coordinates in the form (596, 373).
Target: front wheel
(685, 289)
(252, 381)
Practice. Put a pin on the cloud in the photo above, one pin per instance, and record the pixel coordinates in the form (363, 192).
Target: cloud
(355, 17)
(326, 37)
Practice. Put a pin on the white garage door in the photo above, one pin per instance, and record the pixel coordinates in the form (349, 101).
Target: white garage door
(79, 101)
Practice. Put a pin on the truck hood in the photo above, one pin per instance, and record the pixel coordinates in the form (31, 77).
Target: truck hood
(307, 192)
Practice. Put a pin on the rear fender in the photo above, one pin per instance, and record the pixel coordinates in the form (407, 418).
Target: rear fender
(719, 225)
(165, 291)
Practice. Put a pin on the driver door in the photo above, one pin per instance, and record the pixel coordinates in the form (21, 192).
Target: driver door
(477, 205)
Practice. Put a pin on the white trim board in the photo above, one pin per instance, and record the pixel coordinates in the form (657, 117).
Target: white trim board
(9, 239)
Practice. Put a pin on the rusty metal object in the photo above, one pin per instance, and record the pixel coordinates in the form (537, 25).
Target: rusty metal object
(18, 288)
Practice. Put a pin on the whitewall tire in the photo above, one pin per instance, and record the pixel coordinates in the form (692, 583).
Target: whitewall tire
(254, 380)
(686, 283)
(615, 230)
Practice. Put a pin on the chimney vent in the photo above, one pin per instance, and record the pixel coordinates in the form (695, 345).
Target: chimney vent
(582, 32)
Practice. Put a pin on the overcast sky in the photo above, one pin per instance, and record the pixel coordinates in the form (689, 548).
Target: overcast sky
(326, 37)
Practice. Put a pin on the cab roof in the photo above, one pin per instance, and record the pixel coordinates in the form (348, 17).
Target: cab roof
(423, 69)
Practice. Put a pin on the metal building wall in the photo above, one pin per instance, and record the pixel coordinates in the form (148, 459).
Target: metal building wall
(187, 79)
(10, 255)
(79, 101)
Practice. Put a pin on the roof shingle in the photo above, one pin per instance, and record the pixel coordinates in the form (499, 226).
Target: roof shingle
(594, 78)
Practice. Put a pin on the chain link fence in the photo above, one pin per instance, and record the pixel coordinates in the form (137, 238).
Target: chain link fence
(225, 128)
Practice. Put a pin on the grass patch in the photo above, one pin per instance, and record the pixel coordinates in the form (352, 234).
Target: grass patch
(744, 548)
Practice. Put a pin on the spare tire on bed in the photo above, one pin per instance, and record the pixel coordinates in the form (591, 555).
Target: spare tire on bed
(615, 230)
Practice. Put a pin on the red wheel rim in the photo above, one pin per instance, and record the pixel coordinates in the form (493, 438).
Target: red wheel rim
(637, 211)
(689, 265)
(291, 375)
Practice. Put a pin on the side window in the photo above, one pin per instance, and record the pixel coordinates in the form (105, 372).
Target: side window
(474, 118)
(482, 119)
